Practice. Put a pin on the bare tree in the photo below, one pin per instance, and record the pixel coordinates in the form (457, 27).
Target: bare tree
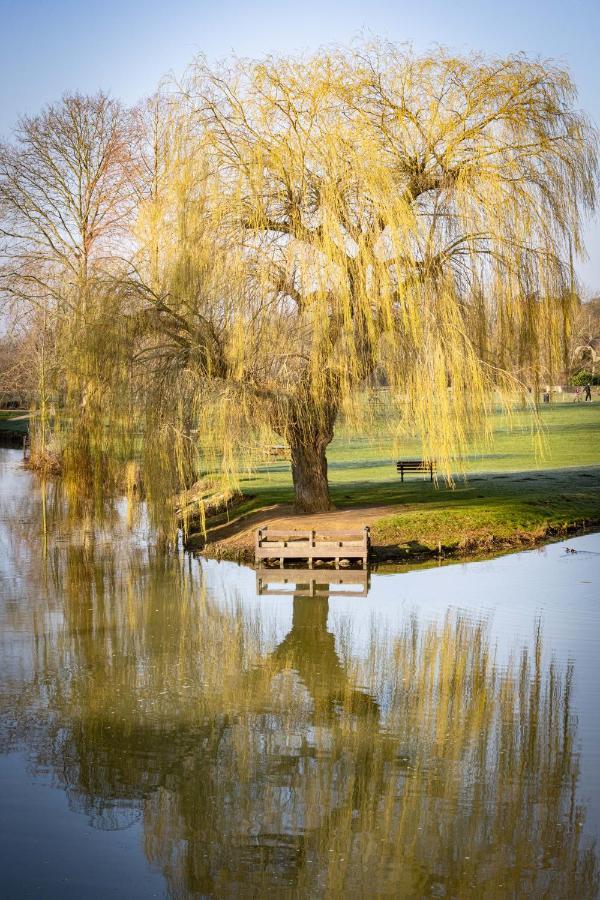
(66, 199)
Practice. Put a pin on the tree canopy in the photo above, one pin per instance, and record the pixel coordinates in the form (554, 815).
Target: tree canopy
(306, 225)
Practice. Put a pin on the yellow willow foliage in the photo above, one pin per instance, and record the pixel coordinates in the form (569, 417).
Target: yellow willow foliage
(312, 225)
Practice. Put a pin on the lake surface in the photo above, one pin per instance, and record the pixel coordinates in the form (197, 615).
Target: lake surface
(167, 730)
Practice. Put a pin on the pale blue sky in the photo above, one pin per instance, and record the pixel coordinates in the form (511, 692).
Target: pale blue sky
(51, 46)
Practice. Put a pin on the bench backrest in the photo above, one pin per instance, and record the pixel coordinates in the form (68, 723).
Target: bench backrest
(412, 464)
(267, 534)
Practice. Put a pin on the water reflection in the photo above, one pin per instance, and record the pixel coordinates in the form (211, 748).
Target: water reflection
(311, 582)
(295, 764)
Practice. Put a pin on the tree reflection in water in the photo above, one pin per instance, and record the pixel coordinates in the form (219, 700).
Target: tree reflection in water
(419, 768)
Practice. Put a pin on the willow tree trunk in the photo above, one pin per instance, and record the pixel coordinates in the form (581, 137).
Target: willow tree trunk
(309, 473)
(306, 421)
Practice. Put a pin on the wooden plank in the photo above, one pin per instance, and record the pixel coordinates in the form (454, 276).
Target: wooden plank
(267, 529)
(313, 544)
(414, 464)
(304, 547)
(276, 534)
(315, 553)
(353, 542)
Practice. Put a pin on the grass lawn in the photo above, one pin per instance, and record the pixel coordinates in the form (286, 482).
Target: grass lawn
(14, 420)
(506, 497)
(489, 512)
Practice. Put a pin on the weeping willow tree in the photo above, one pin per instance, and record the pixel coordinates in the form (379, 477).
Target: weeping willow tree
(303, 226)
(365, 210)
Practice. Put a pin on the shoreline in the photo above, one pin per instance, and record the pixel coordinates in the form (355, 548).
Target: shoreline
(484, 546)
(483, 515)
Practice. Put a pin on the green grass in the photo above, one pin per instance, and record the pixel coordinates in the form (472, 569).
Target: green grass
(362, 467)
(492, 511)
(507, 495)
(12, 420)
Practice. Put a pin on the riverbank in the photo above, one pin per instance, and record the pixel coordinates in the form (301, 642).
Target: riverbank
(14, 425)
(484, 514)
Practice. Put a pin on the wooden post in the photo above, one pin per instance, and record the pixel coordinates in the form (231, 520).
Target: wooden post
(401, 473)
(431, 470)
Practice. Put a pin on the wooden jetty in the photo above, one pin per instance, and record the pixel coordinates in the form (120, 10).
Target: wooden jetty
(313, 583)
(281, 545)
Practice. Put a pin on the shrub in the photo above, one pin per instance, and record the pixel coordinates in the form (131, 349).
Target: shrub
(583, 377)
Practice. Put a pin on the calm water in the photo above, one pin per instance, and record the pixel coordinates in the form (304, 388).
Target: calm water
(166, 730)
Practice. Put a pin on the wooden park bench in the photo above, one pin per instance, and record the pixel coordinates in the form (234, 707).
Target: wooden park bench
(414, 465)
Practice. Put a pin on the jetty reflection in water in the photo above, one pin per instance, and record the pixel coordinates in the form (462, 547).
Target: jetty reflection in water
(313, 582)
(255, 756)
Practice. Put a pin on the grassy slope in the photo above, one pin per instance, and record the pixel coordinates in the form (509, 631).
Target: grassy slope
(508, 496)
(489, 512)
(13, 421)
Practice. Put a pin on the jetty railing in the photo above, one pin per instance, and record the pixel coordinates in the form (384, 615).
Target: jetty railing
(313, 545)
